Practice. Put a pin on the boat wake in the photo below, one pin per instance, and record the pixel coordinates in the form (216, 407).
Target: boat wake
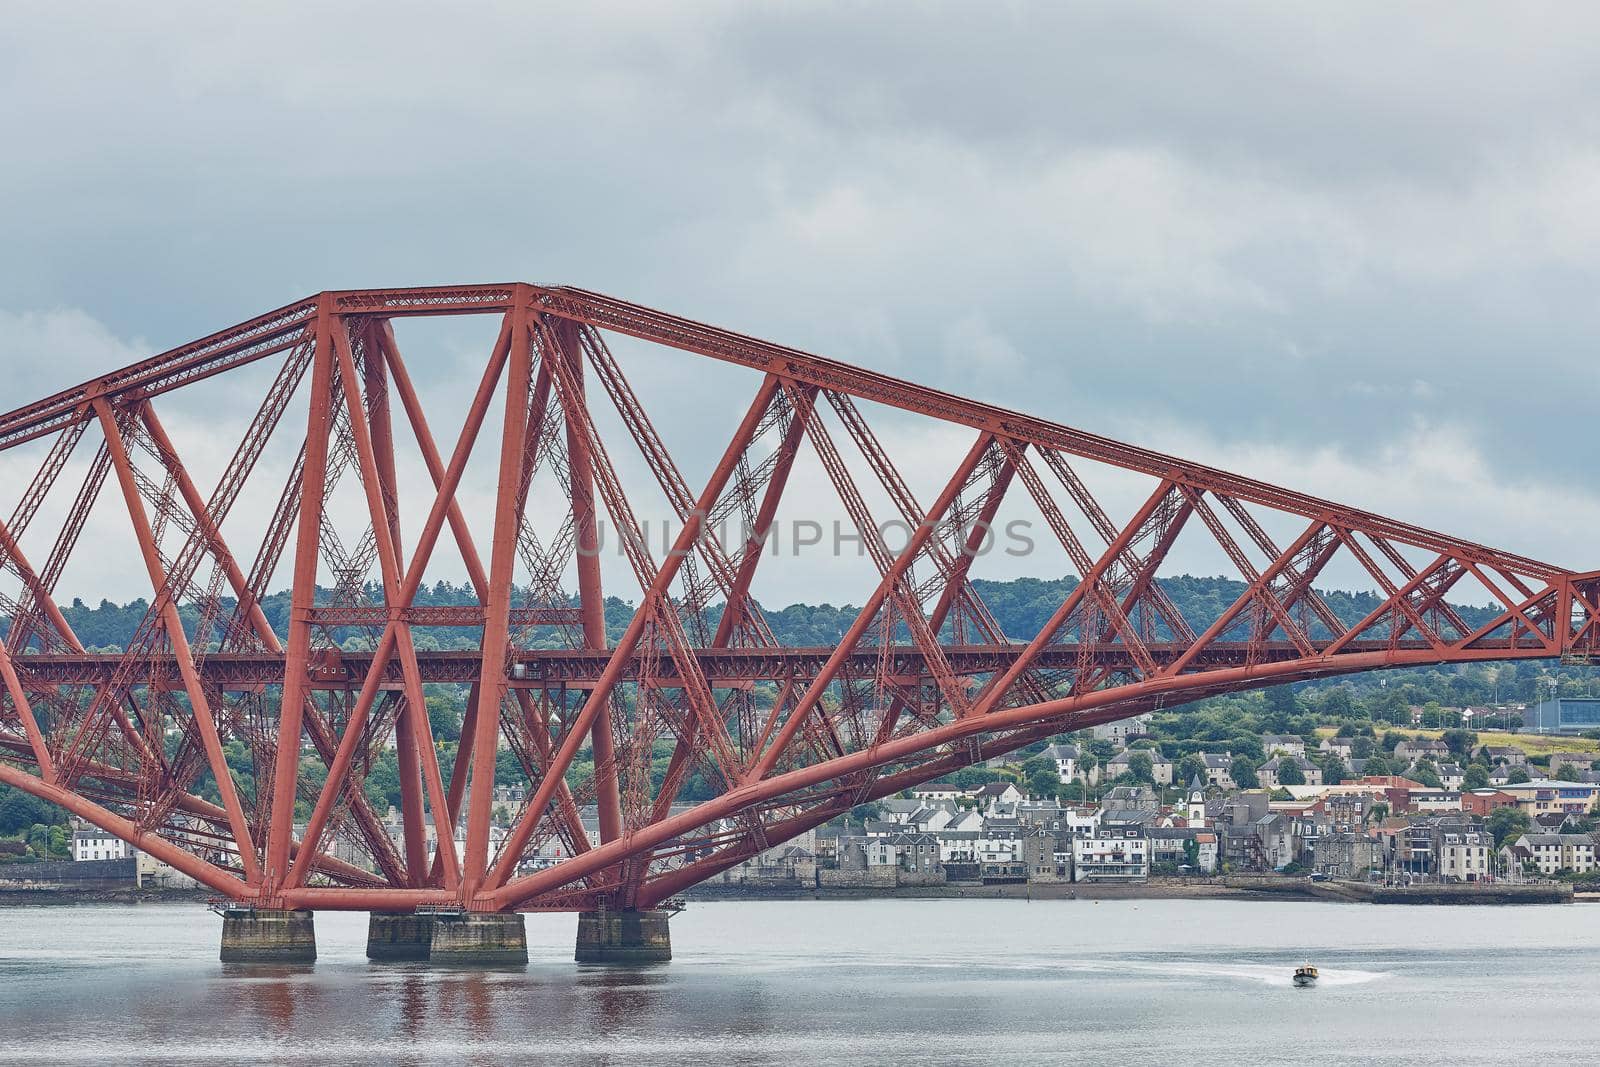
(1275, 974)
(1272, 974)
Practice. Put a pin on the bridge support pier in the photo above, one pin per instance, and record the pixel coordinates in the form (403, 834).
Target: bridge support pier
(624, 937)
(494, 938)
(268, 935)
(397, 936)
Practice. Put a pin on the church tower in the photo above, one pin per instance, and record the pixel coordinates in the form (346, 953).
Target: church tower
(1197, 802)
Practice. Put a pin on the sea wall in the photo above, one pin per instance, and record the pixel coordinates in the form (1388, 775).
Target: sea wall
(1494, 893)
(882, 877)
(67, 874)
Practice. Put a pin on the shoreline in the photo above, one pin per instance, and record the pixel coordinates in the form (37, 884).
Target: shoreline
(1244, 889)
(130, 896)
(1046, 891)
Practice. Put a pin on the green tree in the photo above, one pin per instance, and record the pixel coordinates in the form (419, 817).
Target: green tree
(1425, 772)
(508, 769)
(383, 781)
(1388, 705)
(1140, 768)
(1517, 776)
(1337, 704)
(1376, 767)
(20, 810)
(444, 717)
(1459, 741)
(1289, 773)
(973, 777)
(1506, 824)
(1243, 774)
(1566, 773)
(1476, 776)
(1281, 705)
(1191, 767)
(1044, 781)
(1333, 770)
(1034, 764)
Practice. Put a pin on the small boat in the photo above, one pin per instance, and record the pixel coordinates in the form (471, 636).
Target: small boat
(1305, 975)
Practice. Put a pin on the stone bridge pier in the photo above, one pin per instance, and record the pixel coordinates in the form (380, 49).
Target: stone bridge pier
(624, 937)
(268, 935)
(450, 936)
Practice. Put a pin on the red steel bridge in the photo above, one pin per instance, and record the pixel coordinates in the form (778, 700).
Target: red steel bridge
(923, 682)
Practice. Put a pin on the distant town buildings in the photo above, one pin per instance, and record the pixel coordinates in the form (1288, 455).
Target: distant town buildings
(1091, 809)
(1553, 853)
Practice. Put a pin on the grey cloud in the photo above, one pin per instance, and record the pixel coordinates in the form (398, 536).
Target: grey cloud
(1262, 223)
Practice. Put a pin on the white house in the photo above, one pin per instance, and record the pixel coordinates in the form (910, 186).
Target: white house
(1465, 857)
(998, 793)
(900, 810)
(1066, 761)
(965, 819)
(94, 843)
(1081, 822)
(1559, 852)
(1121, 855)
(957, 846)
(1001, 847)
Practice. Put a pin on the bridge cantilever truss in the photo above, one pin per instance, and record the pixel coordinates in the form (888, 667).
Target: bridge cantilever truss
(924, 680)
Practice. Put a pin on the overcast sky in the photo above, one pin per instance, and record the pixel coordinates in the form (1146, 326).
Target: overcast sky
(1334, 248)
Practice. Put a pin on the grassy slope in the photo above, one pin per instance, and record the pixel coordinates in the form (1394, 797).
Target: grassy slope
(1532, 744)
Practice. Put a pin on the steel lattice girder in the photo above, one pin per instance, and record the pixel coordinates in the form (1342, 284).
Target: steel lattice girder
(789, 736)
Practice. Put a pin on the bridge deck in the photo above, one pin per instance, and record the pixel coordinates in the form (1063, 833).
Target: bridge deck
(540, 668)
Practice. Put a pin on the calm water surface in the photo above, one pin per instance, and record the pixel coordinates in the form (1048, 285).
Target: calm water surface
(857, 982)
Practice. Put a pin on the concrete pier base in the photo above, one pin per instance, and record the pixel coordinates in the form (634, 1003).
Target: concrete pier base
(623, 937)
(481, 938)
(402, 935)
(268, 935)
